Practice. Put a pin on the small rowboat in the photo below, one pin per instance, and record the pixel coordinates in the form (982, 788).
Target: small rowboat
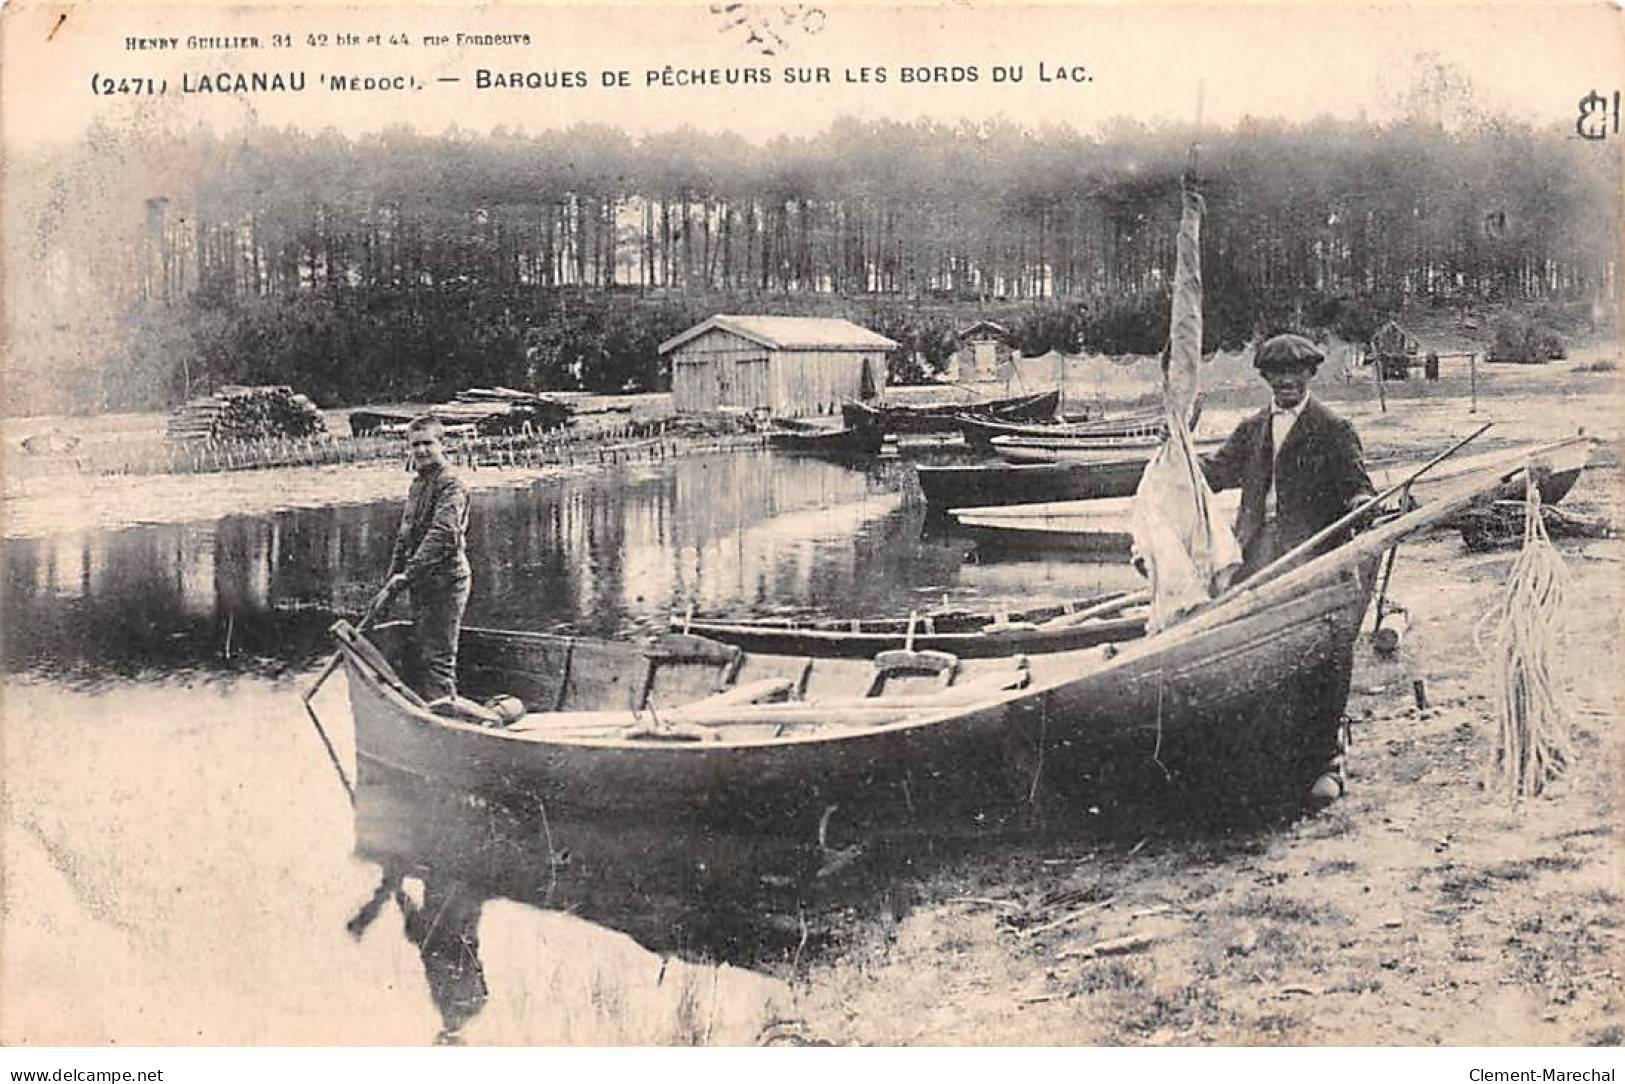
(972, 485)
(1073, 449)
(686, 731)
(980, 432)
(1062, 626)
(828, 442)
(945, 418)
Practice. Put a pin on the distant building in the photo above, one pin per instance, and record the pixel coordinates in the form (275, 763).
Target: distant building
(1393, 348)
(983, 347)
(787, 365)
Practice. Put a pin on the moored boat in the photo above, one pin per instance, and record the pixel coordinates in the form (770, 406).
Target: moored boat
(970, 485)
(841, 442)
(944, 418)
(1061, 626)
(980, 432)
(1102, 524)
(1250, 687)
(1073, 449)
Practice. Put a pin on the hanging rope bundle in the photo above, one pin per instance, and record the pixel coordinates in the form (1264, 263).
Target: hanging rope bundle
(1518, 637)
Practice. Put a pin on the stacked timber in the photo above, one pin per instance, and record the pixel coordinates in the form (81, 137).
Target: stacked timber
(239, 412)
(502, 410)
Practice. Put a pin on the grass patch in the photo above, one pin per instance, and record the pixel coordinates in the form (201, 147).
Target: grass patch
(1336, 867)
(1601, 365)
(1330, 824)
(1276, 1023)
(1463, 886)
(1524, 869)
(1182, 1010)
(1612, 1035)
(1111, 976)
(1279, 908)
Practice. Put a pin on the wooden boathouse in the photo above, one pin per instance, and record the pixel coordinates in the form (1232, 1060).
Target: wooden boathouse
(786, 365)
(983, 348)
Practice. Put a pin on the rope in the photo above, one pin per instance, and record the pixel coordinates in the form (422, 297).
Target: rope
(1518, 637)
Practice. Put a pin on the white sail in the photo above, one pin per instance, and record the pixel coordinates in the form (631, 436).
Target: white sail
(1186, 551)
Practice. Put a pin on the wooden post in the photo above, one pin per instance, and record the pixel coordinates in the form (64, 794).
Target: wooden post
(1472, 368)
(1382, 389)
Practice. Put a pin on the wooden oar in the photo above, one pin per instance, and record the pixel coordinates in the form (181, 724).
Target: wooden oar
(310, 693)
(1099, 609)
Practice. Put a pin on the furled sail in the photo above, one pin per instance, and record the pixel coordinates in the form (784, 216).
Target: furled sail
(1180, 545)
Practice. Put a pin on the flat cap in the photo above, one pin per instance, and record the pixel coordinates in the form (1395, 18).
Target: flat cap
(1287, 352)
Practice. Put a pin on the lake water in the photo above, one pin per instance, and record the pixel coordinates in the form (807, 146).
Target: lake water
(183, 866)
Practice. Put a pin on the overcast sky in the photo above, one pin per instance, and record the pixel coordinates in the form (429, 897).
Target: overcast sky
(1144, 61)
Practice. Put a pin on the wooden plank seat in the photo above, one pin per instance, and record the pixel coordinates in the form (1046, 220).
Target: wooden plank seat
(902, 662)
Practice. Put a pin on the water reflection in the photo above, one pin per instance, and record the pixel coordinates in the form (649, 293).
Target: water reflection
(464, 876)
(610, 554)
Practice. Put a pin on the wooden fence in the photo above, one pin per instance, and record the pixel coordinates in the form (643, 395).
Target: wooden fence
(631, 441)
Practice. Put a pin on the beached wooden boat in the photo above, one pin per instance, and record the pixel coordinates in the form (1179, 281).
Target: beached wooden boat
(1061, 626)
(945, 418)
(974, 485)
(1558, 466)
(842, 442)
(979, 432)
(1073, 449)
(1101, 524)
(1250, 689)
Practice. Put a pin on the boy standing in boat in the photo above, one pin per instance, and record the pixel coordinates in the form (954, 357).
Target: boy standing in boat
(430, 558)
(1300, 466)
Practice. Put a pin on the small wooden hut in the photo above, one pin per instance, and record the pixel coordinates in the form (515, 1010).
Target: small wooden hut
(787, 365)
(1394, 350)
(983, 348)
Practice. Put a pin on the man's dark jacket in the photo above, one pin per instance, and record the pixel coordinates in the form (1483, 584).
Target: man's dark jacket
(1318, 471)
(430, 545)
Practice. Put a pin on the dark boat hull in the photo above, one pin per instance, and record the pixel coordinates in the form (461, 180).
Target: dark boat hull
(1184, 699)
(983, 484)
(979, 432)
(945, 419)
(838, 442)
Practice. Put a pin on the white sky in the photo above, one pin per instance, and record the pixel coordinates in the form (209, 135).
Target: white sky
(1146, 61)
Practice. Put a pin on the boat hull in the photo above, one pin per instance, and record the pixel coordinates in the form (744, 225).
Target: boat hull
(839, 442)
(1269, 686)
(945, 419)
(980, 485)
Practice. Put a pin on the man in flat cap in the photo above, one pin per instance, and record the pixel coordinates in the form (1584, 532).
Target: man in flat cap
(1300, 469)
(1299, 466)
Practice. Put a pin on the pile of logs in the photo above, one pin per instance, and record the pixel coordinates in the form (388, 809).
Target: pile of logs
(493, 411)
(238, 412)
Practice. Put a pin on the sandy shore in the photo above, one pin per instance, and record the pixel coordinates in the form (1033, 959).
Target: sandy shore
(1420, 909)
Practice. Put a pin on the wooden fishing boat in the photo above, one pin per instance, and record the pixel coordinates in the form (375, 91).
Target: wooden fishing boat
(1250, 688)
(974, 485)
(842, 443)
(1101, 524)
(1073, 449)
(945, 418)
(979, 432)
(1558, 466)
(1061, 626)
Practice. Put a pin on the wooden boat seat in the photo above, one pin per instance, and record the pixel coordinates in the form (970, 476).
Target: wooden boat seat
(903, 662)
(679, 666)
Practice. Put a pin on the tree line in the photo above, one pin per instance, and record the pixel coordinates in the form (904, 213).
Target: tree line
(401, 265)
